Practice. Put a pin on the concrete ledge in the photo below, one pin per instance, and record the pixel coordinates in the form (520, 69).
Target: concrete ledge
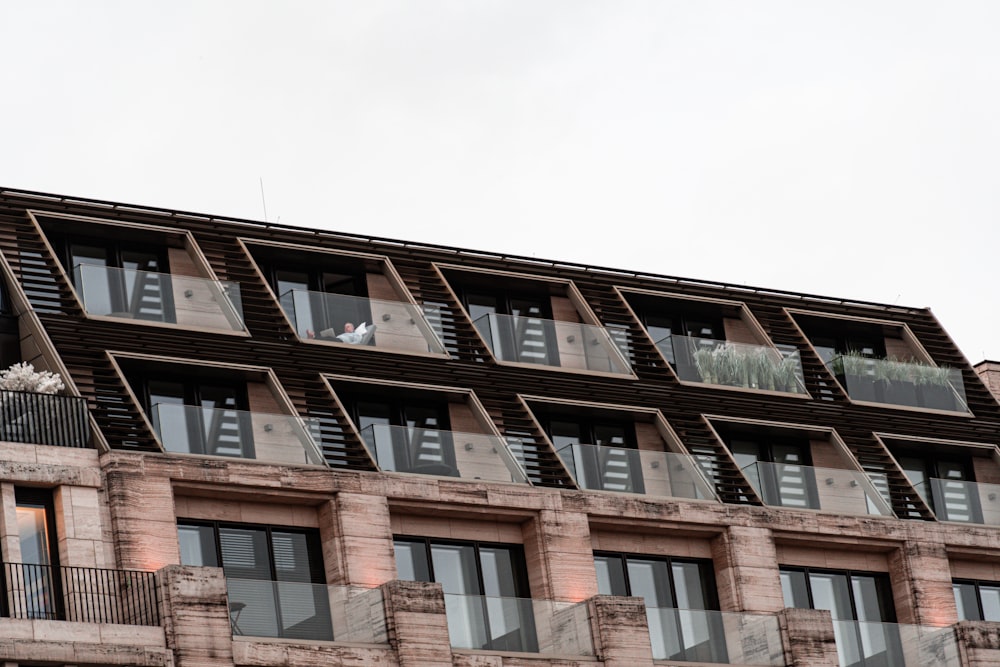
(291, 653)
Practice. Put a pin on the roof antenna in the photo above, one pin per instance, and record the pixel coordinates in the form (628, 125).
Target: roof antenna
(263, 203)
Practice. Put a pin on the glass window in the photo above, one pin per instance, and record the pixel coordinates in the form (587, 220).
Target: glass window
(485, 586)
(944, 480)
(977, 600)
(777, 465)
(274, 576)
(39, 559)
(123, 279)
(861, 606)
(517, 327)
(198, 416)
(407, 434)
(597, 452)
(681, 603)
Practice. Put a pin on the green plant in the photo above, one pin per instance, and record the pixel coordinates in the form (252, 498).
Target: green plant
(750, 366)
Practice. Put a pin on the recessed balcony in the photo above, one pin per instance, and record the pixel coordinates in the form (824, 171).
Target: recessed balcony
(487, 623)
(271, 438)
(666, 474)
(863, 644)
(534, 340)
(470, 456)
(828, 489)
(703, 636)
(905, 383)
(298, 610)
(188, 301)
(395, 326)
(728, 364)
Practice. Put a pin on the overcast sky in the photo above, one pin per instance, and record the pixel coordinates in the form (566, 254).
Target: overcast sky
(840, 148)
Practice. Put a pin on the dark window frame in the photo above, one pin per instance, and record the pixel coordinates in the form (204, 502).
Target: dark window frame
(115, 249)
(713, 650)
(977, 585)
(506, 336)
(523, 637)
(402, 446)
(594, 460)
(139, 380)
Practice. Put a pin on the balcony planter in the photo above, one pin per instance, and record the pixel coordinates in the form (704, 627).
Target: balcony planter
(750, 367)
(855, 373)
(936, 391)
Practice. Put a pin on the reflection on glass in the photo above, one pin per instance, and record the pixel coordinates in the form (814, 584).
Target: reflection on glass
(39, 587)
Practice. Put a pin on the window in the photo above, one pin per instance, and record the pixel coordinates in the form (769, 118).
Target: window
(485, 586)
(861, 606)
(680, 596)
(832, 336)
(690, 320)
(777, 464)
(977, 600)
(198, 415)
(944, 481)
(38, 572)
(274, 576)
(407, 434)
(518, 326)
(324, 295)
(122, 279)
(611, 464)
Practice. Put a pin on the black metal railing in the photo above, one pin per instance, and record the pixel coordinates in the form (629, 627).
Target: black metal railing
(44, 419)
(84, 594)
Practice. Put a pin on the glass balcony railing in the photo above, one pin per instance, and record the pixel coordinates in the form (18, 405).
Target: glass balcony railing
(805, 487)
(665, 474)
(296, 610)
(727, 364)
(962, 501)
(159, 297)
(694, 635)
(472, 456)
(533, 340)
(518, 624)
(867, 644)
(900, 383)
(189, 429)
(352, 320)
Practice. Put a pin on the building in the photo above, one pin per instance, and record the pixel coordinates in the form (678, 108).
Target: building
(290, 447)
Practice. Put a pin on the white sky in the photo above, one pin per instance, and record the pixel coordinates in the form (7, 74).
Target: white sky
(832, 147)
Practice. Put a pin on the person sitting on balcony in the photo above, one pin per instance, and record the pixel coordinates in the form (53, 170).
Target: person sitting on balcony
(355, 336)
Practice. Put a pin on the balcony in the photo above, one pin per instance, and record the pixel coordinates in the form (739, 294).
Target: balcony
(395, 326)
(867, 644)
(904, 383)
(81, 594)
(471, 456)
(284, 439)
(186, 301)
(518, 624)
(666, 474)
(828, 489)
(726, 364)
(694, 635)
(964, 502)
(44, 419)
(297, 610)
(570, 345)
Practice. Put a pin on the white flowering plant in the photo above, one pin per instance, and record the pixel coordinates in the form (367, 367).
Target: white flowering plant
(23, 377)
